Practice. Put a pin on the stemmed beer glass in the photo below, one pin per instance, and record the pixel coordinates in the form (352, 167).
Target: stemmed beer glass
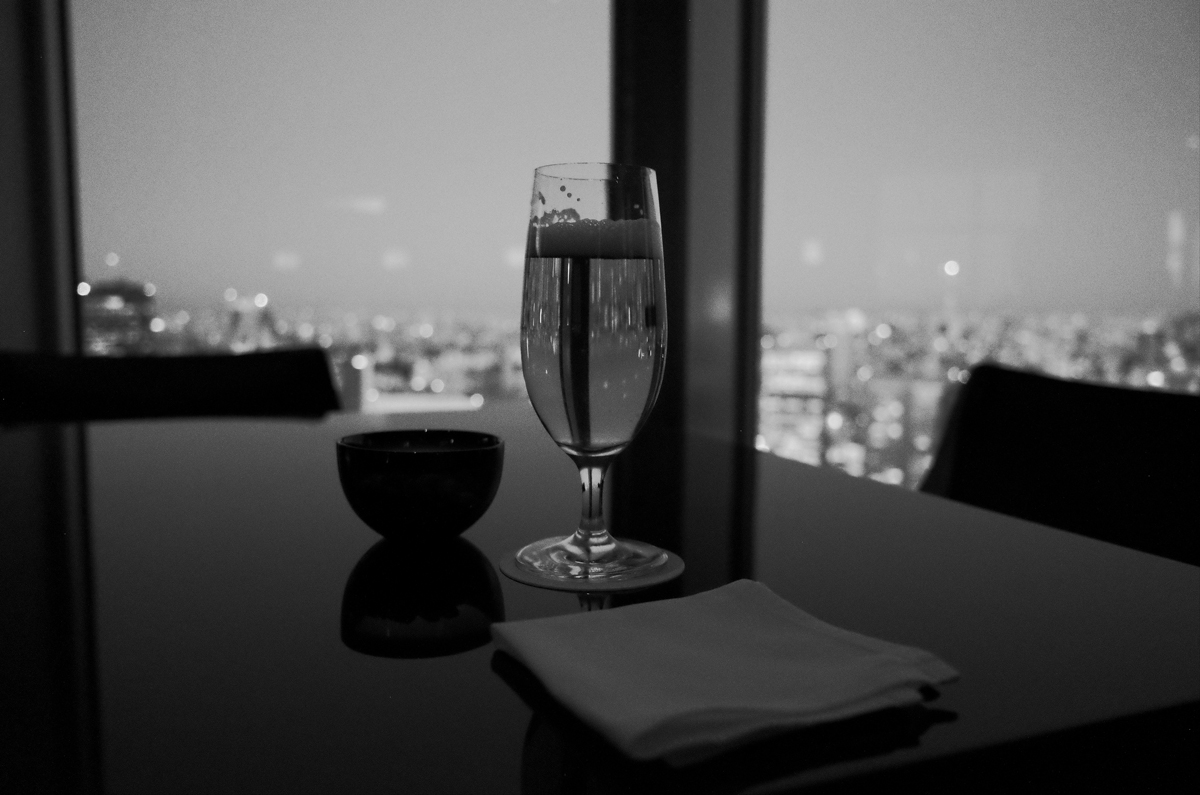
(593, 346)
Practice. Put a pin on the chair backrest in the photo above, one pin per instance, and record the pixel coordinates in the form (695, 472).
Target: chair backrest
(38, 388)
(1118, 464)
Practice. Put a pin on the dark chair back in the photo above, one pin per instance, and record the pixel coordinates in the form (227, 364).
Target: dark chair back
(38, 388)
(1117, 464)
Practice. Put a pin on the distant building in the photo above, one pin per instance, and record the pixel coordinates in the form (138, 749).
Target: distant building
(116, 318)
(250, 327)
(792, 403)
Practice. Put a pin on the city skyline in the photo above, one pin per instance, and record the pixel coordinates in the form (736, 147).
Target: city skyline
(865, 393)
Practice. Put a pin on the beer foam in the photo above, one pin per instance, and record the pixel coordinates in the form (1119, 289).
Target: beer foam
(636, 239)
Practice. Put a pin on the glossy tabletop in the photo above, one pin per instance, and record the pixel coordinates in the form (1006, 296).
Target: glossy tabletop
(221, 551)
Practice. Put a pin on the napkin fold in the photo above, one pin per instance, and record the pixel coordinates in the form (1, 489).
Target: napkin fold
(688, 678)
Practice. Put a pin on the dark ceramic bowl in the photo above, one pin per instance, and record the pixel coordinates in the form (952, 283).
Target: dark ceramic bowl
(420, 487)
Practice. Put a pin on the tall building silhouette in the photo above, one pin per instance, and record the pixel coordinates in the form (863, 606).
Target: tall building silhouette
(117, 316)
(250, 326)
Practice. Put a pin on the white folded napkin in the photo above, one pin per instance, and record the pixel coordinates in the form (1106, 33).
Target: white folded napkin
(687, 678)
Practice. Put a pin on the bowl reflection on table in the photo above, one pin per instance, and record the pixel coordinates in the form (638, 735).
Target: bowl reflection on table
(420, 487)
(398, 604)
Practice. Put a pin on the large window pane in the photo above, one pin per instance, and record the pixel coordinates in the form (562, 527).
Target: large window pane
(354, 174)
(949, 182)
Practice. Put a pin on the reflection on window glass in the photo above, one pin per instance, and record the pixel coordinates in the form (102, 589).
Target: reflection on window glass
(953, 182)
(353, 175)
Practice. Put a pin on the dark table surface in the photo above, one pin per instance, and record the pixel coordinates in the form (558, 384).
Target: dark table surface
(222, 550)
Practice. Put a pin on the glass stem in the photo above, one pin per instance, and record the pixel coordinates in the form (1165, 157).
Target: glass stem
(592, 534)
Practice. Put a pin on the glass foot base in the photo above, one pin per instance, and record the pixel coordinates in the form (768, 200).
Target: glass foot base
(561, 559)
(557, 564)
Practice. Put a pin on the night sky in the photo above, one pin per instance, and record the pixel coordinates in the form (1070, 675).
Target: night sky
(1042, 144)
(378, 156)
(356, 155)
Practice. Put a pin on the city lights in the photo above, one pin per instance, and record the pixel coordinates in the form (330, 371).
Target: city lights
(892, 475)
(839, 389)
(884, 389)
